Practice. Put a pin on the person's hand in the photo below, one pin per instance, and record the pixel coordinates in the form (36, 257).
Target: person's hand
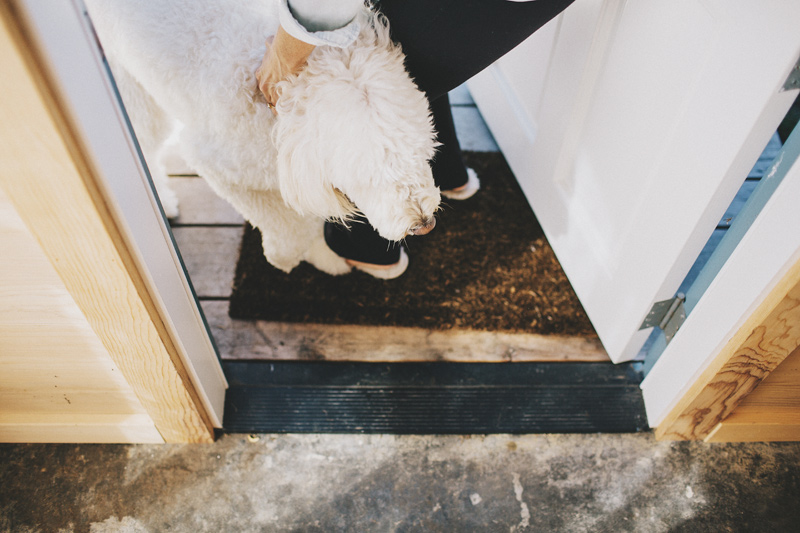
(285, 56)
(267, 75)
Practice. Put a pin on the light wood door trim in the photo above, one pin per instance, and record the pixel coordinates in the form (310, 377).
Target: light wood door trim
(770, 334)
(769, 413)
(46, 175)
(755, 431)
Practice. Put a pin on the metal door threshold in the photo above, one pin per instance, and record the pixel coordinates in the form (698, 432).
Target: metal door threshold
(433, 398)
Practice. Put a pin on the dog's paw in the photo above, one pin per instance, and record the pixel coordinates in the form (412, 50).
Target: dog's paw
(170, 206)
(166, 195)
(169, 203)
(324, 259)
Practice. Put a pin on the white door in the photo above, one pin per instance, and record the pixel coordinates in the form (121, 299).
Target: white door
(630, 126)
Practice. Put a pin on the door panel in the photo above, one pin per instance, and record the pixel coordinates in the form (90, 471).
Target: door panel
(651, 115)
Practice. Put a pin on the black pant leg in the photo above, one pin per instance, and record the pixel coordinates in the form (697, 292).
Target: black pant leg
(447, 165)
(359, 241)
(446, 42)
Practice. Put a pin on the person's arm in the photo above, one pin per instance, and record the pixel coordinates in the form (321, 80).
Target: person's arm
(285, 56)
(305, 24)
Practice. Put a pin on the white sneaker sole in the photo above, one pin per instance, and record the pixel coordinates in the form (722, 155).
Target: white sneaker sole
(473, 186)
(394, 271)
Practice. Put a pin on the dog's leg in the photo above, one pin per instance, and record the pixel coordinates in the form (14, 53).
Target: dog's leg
(323, 258)
(152, 127)
(286, 236)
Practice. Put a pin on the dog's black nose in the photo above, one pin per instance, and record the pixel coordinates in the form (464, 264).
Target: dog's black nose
(424, 228)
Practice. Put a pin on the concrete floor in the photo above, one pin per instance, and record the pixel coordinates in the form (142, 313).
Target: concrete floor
(355, 483)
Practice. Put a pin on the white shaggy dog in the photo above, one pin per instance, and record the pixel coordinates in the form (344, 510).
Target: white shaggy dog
(352, 128)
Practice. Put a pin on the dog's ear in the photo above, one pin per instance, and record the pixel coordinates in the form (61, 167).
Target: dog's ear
(303, 174)
(312, 149)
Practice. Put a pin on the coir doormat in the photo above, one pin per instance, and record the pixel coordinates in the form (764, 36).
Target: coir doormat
(486, 266)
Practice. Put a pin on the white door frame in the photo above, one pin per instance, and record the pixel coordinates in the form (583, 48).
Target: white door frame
(69, 47)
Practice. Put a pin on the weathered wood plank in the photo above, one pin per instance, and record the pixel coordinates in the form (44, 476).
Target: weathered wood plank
(243, 340)
(770, 334)
(460, 96)
(473, 133)
(200, 205)
(209, 254)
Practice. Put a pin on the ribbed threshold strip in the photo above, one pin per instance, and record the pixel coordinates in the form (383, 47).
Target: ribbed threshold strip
(437, 398)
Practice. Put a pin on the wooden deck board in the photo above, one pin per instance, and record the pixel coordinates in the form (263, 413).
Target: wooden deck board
(261, 340)
(209, 254)
(460, 96)
(200, 205)
(473, 134)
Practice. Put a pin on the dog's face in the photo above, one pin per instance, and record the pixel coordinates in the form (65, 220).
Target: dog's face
(354, 134)
(398, 197)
